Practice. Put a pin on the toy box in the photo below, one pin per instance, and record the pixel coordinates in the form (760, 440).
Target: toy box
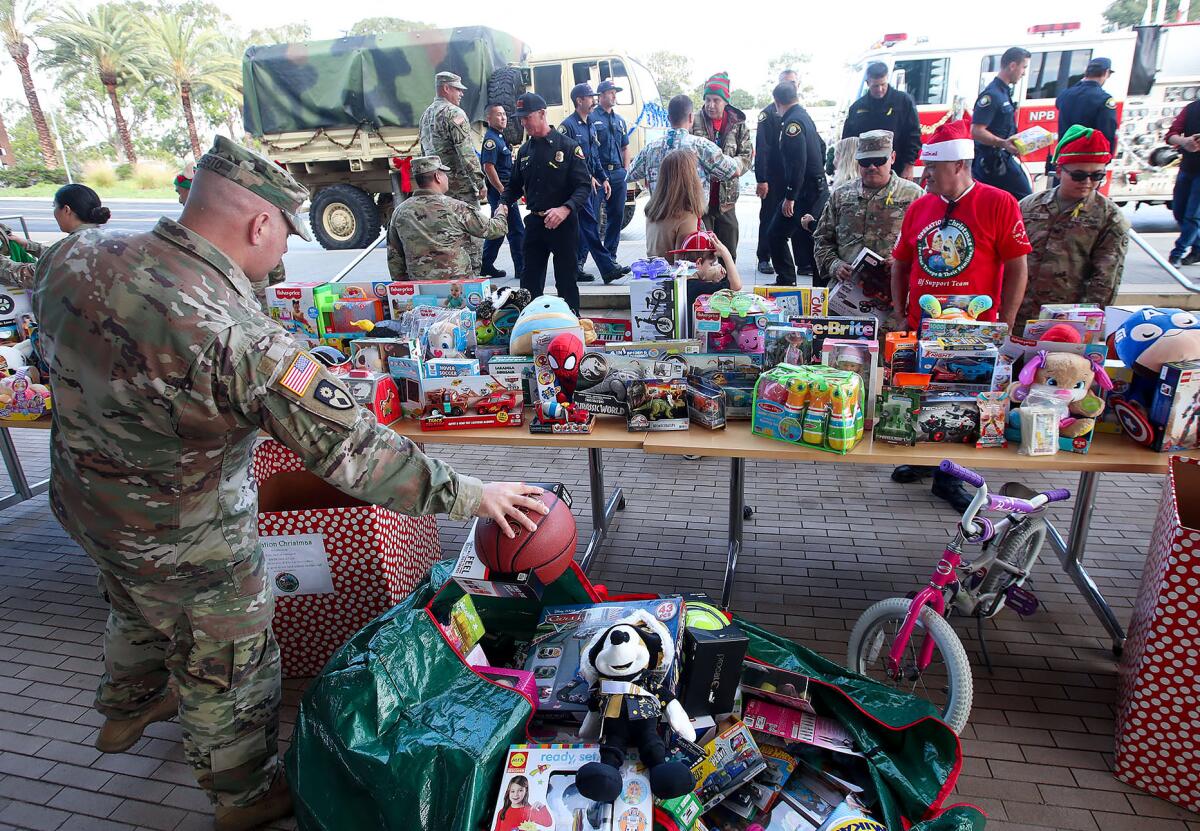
(555, 409)
(958, 364)
(948, 417)
(899, 353)
(604, 377)
(16, 314)
(346, 305)
(464, 628)
(899, 408)
(850, 328)
(563, 631)
(294, 306)
(373, 353)
(1013, 355)
(797, 300)
(794, 725)
(1122, 379)
(788, 345)
(369, 288)
(816, 406)
(449, 294)
(727, 761)
(657, 404)
(406, 372)
(473, 577)
(612, 329)
(517, 679)
(867, 292)
(683, 811)
(451, 367)
(862, 358)
(519, 366)
(735, 375)
(782, 686)
(992, 331)
(374, 390)
(712, 662)
(731, 321)
(660, 349)
(993, 417)
(659, 308)
(1175, 413)
(706, 405)
(1091, 315)
(538, 793)
(21, 399)
(467, 401)
(1033, 139)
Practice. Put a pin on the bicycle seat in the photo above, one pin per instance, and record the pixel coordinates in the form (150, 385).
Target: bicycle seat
(1017, 491)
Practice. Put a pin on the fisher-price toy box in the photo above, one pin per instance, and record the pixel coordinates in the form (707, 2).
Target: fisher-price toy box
(295, 307)
(449, 294)
(1015, 353)
(538, 792)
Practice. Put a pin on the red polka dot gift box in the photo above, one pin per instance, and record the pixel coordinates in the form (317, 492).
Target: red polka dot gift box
(1158, 729)
(335, 563)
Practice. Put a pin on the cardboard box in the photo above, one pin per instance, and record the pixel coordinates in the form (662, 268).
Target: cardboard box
(733, 333)
(899, 408)
(789, 345)
(948, 418)
(706, 405)
(451, 367)
(862, 358)
(657, 404)
(560, 418)
(448, 294)
(16, 314)
(372, 354)
(659, 308)
(729, 760)
(712, 665)
(794, 725)
(377, 392)
(469, 401)
(1090, 314)
(294, 306)
(1013, 355)
(604, 376)
(850, 328)
(734, 375)
(334, 562)
(1175, 413)
(612, 329)
(797, 300)
(474, 577)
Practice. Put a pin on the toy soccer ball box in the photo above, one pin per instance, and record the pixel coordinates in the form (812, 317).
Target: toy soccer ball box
(538, 792)
(563, 631)
(449, 294)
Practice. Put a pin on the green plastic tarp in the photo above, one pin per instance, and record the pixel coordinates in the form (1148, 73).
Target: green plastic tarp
(398, 733)
(376, 80)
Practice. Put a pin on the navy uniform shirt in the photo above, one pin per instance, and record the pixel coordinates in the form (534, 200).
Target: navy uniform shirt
(766, 142)
(587, 137)
(613, 133)
(994, 109)
(1088, 105)
(549, 172)
(497, 152)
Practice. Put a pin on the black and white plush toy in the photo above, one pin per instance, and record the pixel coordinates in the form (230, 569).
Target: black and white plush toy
(622, 664)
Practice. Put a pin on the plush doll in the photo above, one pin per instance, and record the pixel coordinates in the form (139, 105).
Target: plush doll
(446, 340)
(1153, 337)
(933, 307)
(1068, 378)
(621, 664)
(542, 315)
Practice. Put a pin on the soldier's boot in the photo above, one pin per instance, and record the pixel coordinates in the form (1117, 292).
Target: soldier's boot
(117, 736)
(275, 804)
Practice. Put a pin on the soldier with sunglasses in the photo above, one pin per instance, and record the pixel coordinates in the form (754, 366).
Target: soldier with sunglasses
(1078, 235)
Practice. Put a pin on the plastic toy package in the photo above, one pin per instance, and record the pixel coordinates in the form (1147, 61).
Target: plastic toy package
(993, 416)
(1039, 425)
(733, 321)
(816, 406)
(860, 357)
(604, 376)
(734, 375)
(657, 404)
(724, 763)
(788, 345)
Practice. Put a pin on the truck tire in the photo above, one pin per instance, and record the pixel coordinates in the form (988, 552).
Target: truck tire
(343, 217)
(630, 210)
(505, 87)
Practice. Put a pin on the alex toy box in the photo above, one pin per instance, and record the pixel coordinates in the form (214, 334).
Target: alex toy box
(538, 792)
(562, 631)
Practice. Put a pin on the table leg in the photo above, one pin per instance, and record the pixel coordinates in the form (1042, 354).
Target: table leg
(737, 518)
(1070, 555)
(604, 505)
(16, 473)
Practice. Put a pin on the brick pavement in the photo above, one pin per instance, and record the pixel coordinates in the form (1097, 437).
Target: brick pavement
(825, 543)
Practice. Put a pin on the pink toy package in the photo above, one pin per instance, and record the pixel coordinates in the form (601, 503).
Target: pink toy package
(518, 679)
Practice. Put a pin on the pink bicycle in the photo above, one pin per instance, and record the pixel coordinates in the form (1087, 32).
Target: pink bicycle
(908, 642)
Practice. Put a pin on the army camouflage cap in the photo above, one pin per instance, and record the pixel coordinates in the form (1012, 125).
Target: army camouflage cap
(451, 79)
(427, 164)
(259, 175)
(874, 144)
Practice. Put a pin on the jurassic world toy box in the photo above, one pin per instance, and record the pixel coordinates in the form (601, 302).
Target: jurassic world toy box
(1175, 413)
(538, 792)
(561, 634)
(604, 377)
(657, 405)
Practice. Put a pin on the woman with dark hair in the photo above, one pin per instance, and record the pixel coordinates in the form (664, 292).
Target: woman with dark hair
(76, 208)
(517, 811)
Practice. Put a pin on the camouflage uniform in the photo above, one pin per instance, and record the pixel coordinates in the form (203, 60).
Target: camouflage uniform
(446, 133)
(164, 371)
(13, 273)
(275, 276)
(1078, 251)
(428, 235)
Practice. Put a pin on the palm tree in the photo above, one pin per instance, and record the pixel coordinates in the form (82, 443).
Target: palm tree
(191, 56)
(15, 16)
(101, 41)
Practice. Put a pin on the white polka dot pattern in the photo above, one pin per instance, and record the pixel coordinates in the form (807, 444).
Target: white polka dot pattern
(377, 557)
(1158, 729)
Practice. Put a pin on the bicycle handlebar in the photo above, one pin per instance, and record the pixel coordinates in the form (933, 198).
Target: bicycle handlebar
(961, 473)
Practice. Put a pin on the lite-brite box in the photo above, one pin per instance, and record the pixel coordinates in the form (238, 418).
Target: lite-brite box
(1033, 139)
(730, 759)
(733, 321)
(563, 631)
(734, 375)
(797, 300)
(816, 406)
(604, 375)
(294, 306)
(449, 294)
(658, 306)
(850, 328)
(538, 792)
(788, 345)
(1175, 413)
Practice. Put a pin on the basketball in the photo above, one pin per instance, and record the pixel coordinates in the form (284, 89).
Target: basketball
(547, 551)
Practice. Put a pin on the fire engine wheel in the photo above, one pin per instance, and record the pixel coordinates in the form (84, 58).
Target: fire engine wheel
(505, 87)
(344, 217)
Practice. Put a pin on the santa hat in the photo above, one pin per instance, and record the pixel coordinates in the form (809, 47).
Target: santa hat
(951, 142)
(718, 84)
(1082, 145)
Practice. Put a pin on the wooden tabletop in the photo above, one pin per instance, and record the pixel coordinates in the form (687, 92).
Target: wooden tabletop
(42, 423)
(608, 434)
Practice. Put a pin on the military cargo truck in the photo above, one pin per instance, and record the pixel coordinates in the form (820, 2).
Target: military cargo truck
(342, 115)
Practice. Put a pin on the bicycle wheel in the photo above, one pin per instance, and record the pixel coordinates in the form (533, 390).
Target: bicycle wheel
(1020, 548)
(945, 683)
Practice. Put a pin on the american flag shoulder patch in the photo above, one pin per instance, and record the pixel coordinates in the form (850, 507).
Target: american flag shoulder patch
(300, 374)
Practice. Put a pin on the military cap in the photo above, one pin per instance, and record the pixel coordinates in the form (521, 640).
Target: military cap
(582, 91)
(427, 164)
(530, 103)
(1097, 65)
(606, 85)
(874, 144)
(259, 175)
(451, 79)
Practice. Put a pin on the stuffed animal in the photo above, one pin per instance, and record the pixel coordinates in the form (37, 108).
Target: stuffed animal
(1152, 337)
(1068, 378)
(542, 315)
(621, 663)
(446, 339)
(933, 307)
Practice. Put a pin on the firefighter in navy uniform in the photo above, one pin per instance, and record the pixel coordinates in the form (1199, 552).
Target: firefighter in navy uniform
(552, 174)
(993, 123)
(1088, 104)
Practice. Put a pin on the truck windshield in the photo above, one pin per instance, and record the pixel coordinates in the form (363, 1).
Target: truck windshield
(646, 83)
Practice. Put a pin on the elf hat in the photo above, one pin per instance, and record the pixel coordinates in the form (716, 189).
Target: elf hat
(1082, 145)
(951, 142)
(718, 84)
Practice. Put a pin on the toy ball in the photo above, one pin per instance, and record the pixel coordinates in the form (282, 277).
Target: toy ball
(1061, 333)
(548, 550)
(704, 616)
(544, 314)
(773, 391)
(1153, 337)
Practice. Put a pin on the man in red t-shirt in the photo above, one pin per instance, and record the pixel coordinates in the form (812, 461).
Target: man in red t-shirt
(963, 237)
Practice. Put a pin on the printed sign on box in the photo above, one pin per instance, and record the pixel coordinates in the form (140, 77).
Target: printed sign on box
(297, 564)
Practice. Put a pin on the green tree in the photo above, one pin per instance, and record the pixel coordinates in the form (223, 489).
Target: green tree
(672, 72)
(386, 26)
(190, 56)
(102, 42)
(287, 33)
(741, 99)
(16, 16)
(1130, 12)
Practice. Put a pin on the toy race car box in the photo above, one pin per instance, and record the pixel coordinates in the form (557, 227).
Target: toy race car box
(725, 762)
(449, 294)
(797, 300)
(788, 345)
(993, 331)
(374, 390)
(862, 358)
(538, 792)
(958, 364)
(1175, 413)
(294, 306)
(561, 634)
(657, 405)
(659, 308)
(473, 577)
(733, 321)
(519, 366)
(466, 401)
(1090, 315)
(604, 375)
(735, 375)
(948, 417)
(706, 405)
(850, 328)
(815, 406)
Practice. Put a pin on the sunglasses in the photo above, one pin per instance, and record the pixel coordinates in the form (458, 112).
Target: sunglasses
(872, 162)
(1083, 176)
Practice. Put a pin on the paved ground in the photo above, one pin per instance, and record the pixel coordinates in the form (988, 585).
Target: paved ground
(826, 542)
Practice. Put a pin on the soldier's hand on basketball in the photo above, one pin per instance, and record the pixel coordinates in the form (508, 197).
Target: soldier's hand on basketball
(760, 190)
(502, 502)
(556, 216)
(843, 271)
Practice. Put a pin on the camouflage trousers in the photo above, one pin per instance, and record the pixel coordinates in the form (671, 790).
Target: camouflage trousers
(212, 634)
(473, 245)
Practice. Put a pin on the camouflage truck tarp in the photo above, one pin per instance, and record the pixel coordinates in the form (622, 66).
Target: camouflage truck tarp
(378, 80)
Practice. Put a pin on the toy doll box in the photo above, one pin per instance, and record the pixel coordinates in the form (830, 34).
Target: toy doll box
(450, 294)
(334, 562)
(561, 635)
(538, 793)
